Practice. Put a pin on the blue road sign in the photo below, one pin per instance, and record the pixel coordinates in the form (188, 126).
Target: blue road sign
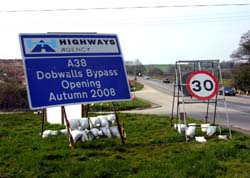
(57, 77)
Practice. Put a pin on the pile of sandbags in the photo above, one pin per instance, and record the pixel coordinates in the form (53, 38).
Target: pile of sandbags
(85, 129)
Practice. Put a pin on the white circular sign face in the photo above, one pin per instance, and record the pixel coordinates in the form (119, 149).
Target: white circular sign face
(202, 85)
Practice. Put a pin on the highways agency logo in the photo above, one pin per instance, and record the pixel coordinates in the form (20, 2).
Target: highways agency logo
(42, 46)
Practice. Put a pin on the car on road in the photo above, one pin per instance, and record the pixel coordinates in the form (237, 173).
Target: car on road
(166, 80)
(227, 91)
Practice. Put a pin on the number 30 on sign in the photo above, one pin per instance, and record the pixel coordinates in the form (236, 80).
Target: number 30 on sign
(202, 85)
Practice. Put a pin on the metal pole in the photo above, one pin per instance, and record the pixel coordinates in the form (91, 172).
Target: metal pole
(182, 94)
(207, 111)
(173, 103)
(183, 102)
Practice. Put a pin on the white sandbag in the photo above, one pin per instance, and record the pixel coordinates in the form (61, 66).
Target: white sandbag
(46, 133)
(223, 137)
(111, 118)
(200, 139)
(64, 131)
(103, 121)
(54, 132)
(84, 123)
(190, 131)
(204, 127)
(181, 127)
(211, 130)
(74, 124)
(76, 134)
(84, 136)
(95, 122)
(115, 132)
(192, 124)
(105, 132)
(94, 133)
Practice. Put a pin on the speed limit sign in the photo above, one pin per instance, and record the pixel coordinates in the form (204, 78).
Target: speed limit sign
(202, 85)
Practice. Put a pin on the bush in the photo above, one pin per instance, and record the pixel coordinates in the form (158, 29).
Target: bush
(242, 77)
(13, 96)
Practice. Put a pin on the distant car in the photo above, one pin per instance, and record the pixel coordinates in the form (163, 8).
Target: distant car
(146, 77)
(228, 91)
(165, 80)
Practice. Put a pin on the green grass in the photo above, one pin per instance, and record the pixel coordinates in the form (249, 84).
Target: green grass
(152, 149)
(138, 86)
(162, 67)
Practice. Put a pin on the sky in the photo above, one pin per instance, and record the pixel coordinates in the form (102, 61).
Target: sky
(155, 32)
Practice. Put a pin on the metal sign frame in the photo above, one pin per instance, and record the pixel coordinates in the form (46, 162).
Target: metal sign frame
(182, 97)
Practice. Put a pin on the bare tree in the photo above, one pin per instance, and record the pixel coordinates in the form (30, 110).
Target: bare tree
(244, 47)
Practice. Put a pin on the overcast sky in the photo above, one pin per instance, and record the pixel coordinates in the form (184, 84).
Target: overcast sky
(162, 34)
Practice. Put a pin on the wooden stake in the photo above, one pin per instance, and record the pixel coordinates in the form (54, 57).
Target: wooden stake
(68, 128)
(44, 118)
(118, 125)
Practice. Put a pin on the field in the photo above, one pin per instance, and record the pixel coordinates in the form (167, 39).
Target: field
(152, 149)
(162, 67)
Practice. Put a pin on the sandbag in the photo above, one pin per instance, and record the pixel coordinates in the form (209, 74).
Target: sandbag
(84, 136)
(204, 127)
(181, 127)
(200, 139)
(76, 134)
(64, 131)
(54, 132)
(115, 132)
(84, 123)
(103, 121)
(223, 137)
(105, 132)
(190, 131)
(46, 133)
(95, 122)
(94, 133)
(111, 118)
(211, 130)
(74, 124)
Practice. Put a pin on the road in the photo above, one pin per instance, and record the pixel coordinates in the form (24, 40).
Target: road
(237, 108)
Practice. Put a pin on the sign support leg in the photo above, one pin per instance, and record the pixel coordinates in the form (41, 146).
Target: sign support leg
(173, 103)
(207, 111)
(62, 115)
(215, 108)
(43, 120)
(118, 124)
(68, 128)
(85, 110)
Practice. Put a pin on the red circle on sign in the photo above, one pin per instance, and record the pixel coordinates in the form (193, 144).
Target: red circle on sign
(197, 85)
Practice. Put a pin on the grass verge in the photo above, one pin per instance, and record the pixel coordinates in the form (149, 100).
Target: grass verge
(120, 106)
(137, 86)
(152, 149)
